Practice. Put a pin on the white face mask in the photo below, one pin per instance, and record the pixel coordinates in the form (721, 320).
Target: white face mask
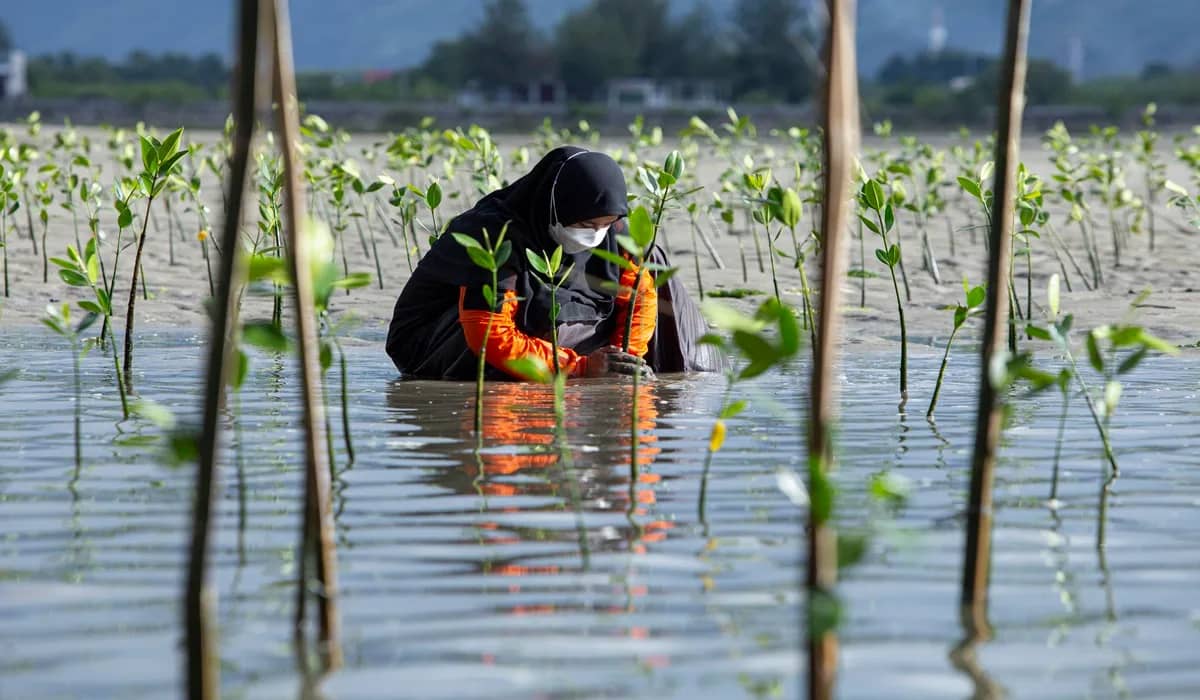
(577, 240)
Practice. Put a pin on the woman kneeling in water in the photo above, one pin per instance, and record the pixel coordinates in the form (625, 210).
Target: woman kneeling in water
(576, 199)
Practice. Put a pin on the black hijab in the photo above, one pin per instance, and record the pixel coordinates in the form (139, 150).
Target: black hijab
(589, 185)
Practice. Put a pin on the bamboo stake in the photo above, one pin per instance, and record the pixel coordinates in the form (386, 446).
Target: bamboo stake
(318, 530)
(841, 150)
(203, 665)
(1011, 102)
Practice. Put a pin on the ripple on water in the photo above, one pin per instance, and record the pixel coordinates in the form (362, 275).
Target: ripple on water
(471, 574)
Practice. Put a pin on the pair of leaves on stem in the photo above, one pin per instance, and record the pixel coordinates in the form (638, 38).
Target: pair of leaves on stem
(768, 338)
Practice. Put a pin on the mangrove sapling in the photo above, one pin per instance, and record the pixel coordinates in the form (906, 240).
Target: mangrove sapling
(9, 204)
(786, 207)
(1072, 177)
(871, 198)
(767, 339)
(549, 266)
(159, 160)
(979, 191)
(270, 227)
(754, 186)
(691, 210)
(643, 232)
(21, 157)
(84, 271)
(1125, 345)
(432, 196)
(362, 215)
(193, 189)
(975, 296)
(268, 336)
(1154, 170)
(59, 320)
(727, 215)
(489, 256)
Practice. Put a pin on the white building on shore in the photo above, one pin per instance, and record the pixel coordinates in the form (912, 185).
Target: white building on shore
(12, 76)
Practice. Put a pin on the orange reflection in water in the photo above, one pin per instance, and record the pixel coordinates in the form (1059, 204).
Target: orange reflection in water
(519, 442)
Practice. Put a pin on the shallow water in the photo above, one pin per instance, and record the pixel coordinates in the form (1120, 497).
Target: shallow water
(458, 586)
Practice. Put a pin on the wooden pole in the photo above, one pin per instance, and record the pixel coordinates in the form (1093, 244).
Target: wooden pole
(203, 679)
(1011, 103)
(318, 528)
(841, 150)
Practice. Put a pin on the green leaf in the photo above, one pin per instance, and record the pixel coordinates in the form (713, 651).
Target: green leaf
(889, 217)
(1093, 350)
(433, 196)
(882, 256)
(789, 328)
(489, 296)
(1038, 332)
(263, 267)
(91, 306)
(467, 241)
(873, 194)
(241, 368)
(530, 368)
(851, 547)
(732, 409)
(869, 224)
(555, 260)
(164, 169)
(265, 336)
(1133, 360)
(976, 297)
(482, 258)
(614, 258)
(124, 217)
(761, 354)
(93, 268)
(326, 356)
(74, 278)
(167, 149)
(894, 254)
(674, 165)
(960, 316)
(87, 322)
(149, 155)
(1155, 343)
(641, 229)
(354, 280)
(791, 208)
(970, 187)
(856, 273)
(503, 253)
(537, 262)
(664, 276)
(729, 319)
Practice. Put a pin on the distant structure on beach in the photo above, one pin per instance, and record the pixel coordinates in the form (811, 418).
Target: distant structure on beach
(937, 31)
(12, 76)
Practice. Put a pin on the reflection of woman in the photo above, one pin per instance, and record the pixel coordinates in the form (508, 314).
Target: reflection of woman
(572, 198)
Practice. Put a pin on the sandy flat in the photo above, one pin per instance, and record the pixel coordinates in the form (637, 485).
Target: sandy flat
(177, 290)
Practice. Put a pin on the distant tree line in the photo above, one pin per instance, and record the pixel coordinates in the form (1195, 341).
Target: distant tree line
(764, 52)
(140, 77)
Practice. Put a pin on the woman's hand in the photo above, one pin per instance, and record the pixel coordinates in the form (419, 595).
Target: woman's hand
(608, 361)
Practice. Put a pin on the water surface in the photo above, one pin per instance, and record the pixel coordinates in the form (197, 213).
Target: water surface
(505, 573)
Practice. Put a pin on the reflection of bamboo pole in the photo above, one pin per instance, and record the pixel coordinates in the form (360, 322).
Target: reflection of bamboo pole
(1011, 102)
(319, 528)
(841, 150)
(202, 661)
